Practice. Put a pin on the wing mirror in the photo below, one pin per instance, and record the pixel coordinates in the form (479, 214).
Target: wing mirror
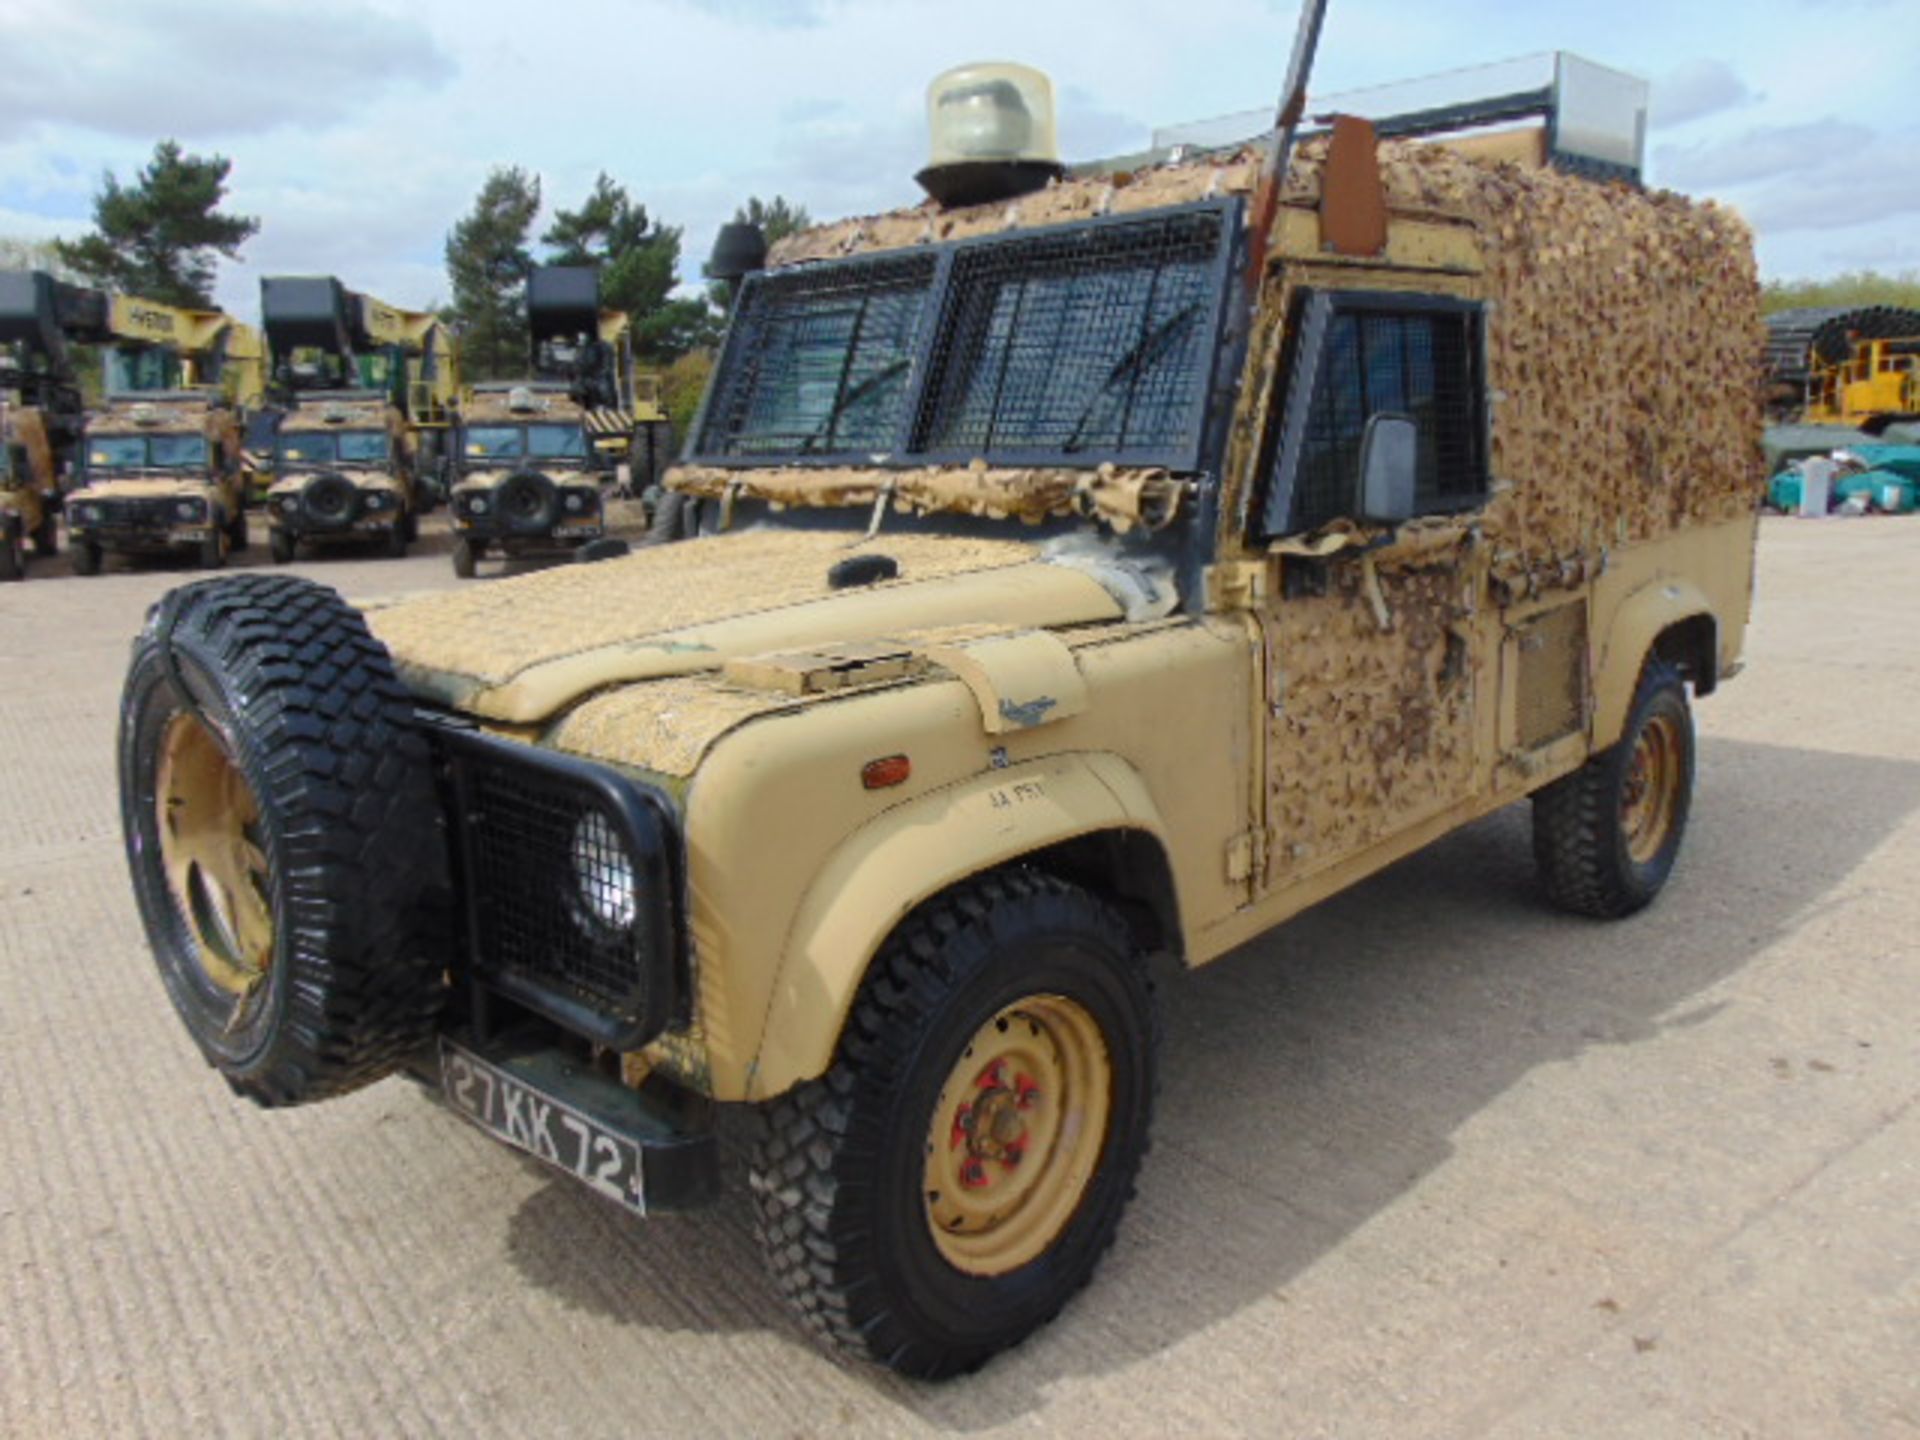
(1389, 469)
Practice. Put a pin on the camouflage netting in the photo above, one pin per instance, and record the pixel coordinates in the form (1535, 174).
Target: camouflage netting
(488, 633)
(1624, 336)
(1124, 498)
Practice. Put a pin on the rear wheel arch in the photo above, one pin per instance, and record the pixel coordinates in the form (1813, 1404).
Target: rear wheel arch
(1669, 620)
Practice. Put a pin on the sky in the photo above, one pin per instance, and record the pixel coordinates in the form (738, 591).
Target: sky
(360, 130)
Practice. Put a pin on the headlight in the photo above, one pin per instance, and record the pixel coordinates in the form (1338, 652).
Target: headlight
(87, 514)
(575, 503)
(603, 872)
(477, 505)
(378, 500)
(289, 503)
(190, 509)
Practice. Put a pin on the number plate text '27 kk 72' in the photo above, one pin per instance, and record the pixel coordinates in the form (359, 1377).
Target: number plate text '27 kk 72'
(514, 1112)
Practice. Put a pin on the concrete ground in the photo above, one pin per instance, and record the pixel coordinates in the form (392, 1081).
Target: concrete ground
(1432, 1161)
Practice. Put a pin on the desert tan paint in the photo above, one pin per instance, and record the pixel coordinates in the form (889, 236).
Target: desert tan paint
(1276, 750)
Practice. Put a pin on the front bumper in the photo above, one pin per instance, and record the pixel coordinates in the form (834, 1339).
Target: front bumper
(573, 1118)
(493, 533)
(142, 539)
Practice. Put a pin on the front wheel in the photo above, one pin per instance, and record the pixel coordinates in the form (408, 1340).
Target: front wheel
(212, 551)
(46, 537)
(1605, 837)
(466, 554)
(395, 543)
(86, 556)
(281, 545)
(13, 556)
(953, 1180)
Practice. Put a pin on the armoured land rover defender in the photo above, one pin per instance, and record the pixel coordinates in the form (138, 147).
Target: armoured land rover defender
(164, 465)
(369, 392)
(1114, 568)
(535, 455)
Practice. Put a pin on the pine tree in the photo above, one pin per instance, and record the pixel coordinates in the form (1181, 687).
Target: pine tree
(487, 265)
(639, 261)
(160, 237)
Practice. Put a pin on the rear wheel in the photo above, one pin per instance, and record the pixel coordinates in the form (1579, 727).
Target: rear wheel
(1605, 838)
(956, 1176)
(278, 808)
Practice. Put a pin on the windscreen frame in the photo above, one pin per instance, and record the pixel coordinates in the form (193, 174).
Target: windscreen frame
(908, 441)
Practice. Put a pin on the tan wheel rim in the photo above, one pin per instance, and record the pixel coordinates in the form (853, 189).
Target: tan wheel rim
(1017, 1134)
(210, 848)
(1656, 773)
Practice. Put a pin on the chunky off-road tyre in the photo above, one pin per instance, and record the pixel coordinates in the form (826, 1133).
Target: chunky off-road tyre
(1605, 837)
(46, 537)
(211, 553)
(394, 543)
(676, 516)
(280, 822)
(85, 556)
(281, 545)
(237, 537)
(466, 556)
(955, 1177)
(13, 555)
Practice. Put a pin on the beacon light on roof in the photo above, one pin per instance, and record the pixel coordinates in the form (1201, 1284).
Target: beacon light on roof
(993, 134)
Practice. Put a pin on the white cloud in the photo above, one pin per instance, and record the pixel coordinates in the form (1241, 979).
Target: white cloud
(199, 68)
(1696, 90)
(360, 130)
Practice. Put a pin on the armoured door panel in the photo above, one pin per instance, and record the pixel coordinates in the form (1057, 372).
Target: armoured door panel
(1374, 709)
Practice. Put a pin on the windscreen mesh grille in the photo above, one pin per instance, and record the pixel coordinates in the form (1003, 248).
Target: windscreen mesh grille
(1095, 341)
(819, 360)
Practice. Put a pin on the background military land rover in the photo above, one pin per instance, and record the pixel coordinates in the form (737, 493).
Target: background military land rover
(42, 408)
(164, 466)
(369, 393)
(1109, 569)
(536, 455)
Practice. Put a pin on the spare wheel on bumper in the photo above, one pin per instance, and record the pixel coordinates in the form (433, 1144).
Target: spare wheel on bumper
(282, 829)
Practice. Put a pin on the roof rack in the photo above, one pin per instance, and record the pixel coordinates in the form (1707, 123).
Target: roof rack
(1590, 120)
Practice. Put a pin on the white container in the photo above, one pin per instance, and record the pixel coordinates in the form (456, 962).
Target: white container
(1816, 486)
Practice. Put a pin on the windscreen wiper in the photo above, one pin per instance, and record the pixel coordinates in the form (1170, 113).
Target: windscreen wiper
(848, 398)
(1151, 349)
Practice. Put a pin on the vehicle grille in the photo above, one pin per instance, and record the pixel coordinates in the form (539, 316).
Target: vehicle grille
(571, 891)
(143, 513)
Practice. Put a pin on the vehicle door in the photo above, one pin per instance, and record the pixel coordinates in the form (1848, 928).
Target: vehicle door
(1381, 651)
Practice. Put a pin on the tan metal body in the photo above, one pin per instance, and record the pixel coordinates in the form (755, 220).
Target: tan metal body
(218, 485)
(1215, 770)
(385, 489)
(530, 405)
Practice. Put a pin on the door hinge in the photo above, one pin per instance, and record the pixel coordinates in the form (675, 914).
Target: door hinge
(1247, 856)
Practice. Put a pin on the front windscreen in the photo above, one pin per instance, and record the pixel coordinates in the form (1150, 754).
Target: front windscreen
(820, 360)
(175, 450)
(328, 447)
(129, 452)
(138, 367)
(116, 452)
(1072, 345)
(556, 442)
(495, 442)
